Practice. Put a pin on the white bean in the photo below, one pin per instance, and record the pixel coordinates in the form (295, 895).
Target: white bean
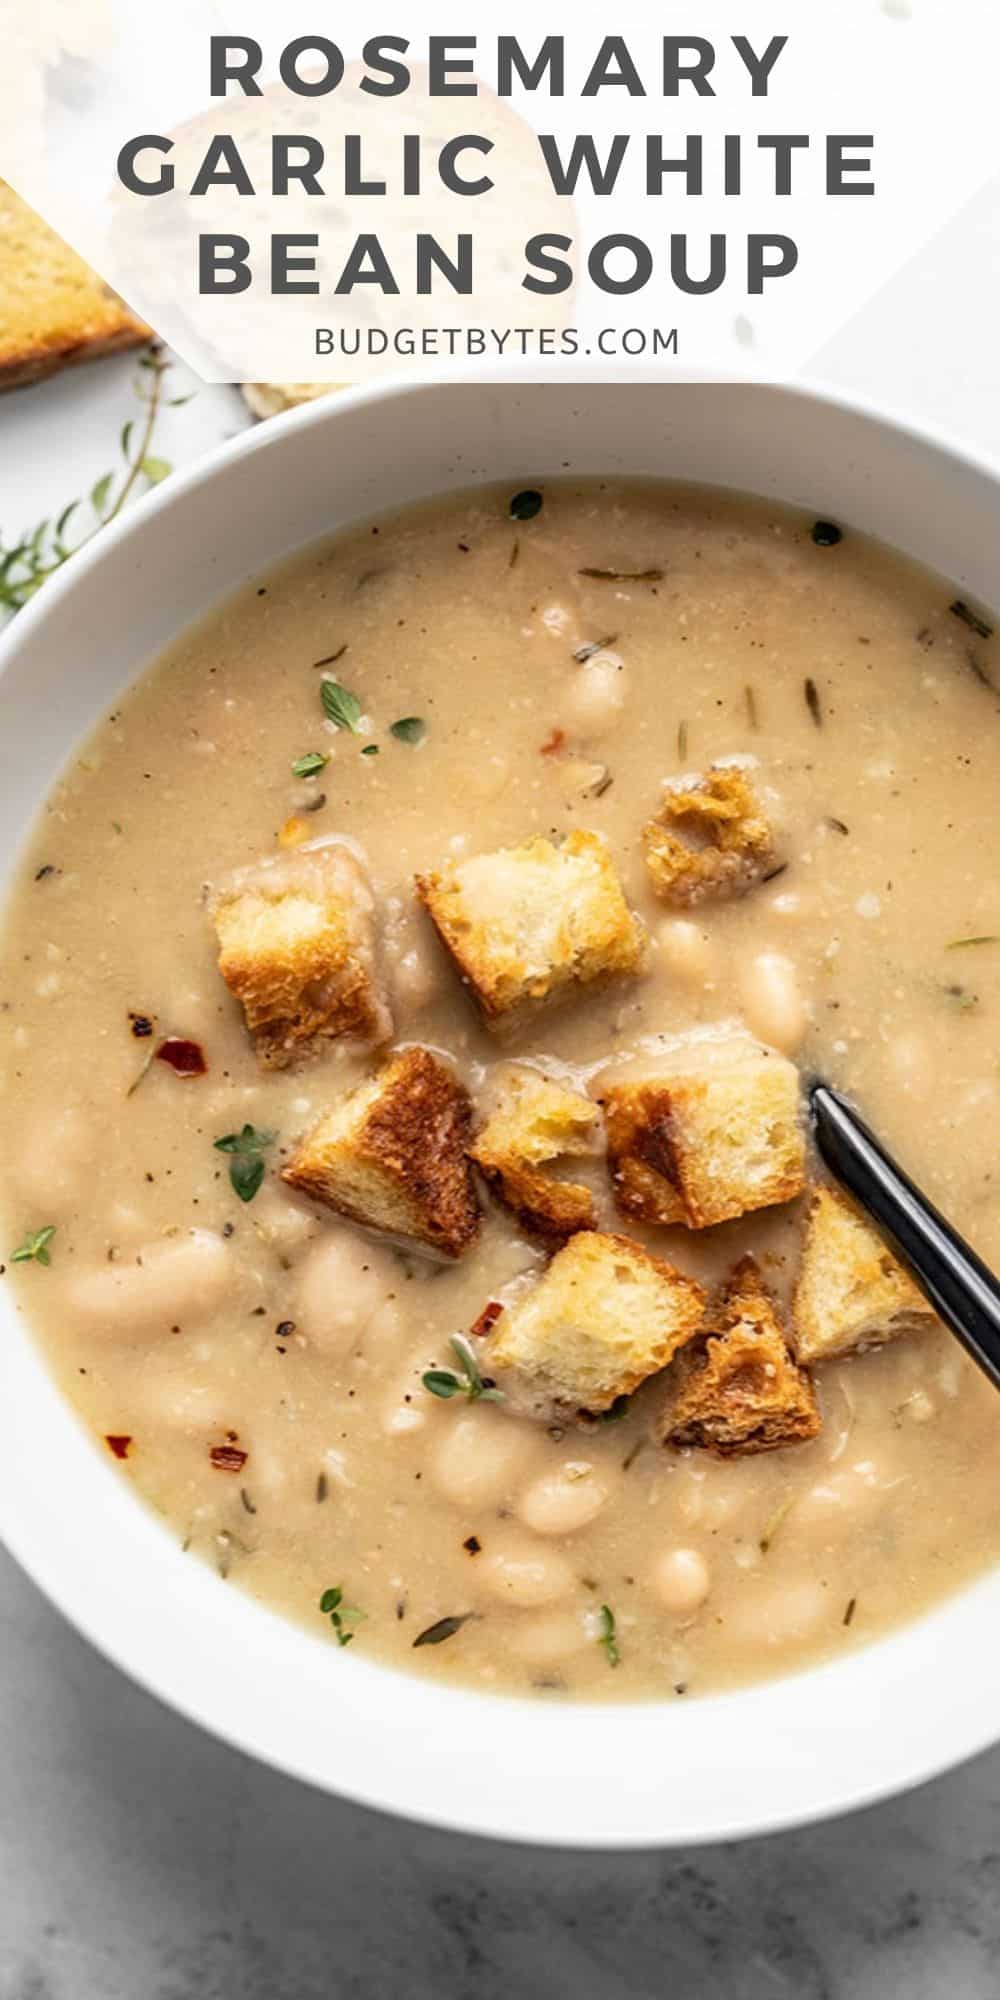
(839, 1503)
(519, 1574)
(479, 1455)
(595, 697)
(54, 1157)
(773, 1003)
(681, 1579)
(343, 1281)
(779, 1614)
(564, 1500)
(177, 1282)
(282, 1219)
(554, 1636)
(685, 949)
(415, 979)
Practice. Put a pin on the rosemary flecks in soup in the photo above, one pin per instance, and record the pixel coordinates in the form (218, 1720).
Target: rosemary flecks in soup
(406, 997)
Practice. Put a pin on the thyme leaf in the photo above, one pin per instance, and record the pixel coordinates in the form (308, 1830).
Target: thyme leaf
(340, 706)
(409, 729)
(35, 1248)
(608, 1637)
(468, 1382)
(341, 1615)
(246, 1151)
(310, 765)
(445, 1628)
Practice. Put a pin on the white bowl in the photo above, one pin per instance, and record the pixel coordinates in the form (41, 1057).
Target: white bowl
(793, 1750)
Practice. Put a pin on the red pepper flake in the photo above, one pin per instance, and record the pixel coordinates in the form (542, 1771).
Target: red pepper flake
(228, 1457)
(487, 1319)
(119, 1446)
(554, 743)
(185, 1058)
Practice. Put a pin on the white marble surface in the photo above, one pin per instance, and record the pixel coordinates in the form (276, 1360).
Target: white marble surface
(141, 1861)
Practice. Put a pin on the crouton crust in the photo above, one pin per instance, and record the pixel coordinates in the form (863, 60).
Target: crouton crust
(709, 838)
(641, 1160)
(535, 1121)
(297, 948)
(735, 1389)
(391, 1156)
(529, 925)
(718, 1137)
(851, 1292)
(602, 1318)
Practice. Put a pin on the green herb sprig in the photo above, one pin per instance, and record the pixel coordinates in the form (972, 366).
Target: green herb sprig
(608, 1637)
(35, 1248)
(246, 1151)
(28, 562)
(468, 1382)
(445, 1628)
(341, 1615)
(310, 765)
(340, 706)
(409, 729)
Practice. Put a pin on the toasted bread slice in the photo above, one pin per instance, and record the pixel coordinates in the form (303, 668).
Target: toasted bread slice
(530, 925)
(709, 838)
(735, 1389)
(712, 1132)
(297, 947)
(392, 1156)
(53, 308)
(851, 1292)
(603, 1317)
(535, 1121)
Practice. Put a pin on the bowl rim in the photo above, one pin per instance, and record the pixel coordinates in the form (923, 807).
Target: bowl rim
(963, 1731)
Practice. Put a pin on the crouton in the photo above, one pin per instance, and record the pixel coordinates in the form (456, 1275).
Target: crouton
(709, 838)
(392, 1156)
(297, 940)
(851, 1292)
(529, 925)
(603, 1317)
(535, 1121)
(711, 1133)
(735, 1389)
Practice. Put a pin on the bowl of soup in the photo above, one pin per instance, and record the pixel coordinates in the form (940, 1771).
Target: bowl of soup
(442, 833)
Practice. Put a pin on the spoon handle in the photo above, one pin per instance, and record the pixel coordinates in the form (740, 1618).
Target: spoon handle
(962, 1290)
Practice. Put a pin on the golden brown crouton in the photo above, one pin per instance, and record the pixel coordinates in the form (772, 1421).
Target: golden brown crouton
(735, 1389)
(535, 1121)
(392, 1156)
(711, 1132)
(532, 924)
(851, 1292)
(604, 1316)
(297, 940)
(709, 838)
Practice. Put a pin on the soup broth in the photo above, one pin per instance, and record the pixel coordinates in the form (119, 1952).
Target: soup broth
(505, 670)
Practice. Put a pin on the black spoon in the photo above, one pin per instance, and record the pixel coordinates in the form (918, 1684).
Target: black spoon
(962, 1291)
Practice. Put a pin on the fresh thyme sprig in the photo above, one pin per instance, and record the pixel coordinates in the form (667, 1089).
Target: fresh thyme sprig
(468, 1382)
(29, 562)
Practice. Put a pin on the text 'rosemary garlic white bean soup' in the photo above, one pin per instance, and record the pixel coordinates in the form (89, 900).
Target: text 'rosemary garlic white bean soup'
(406, 999)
